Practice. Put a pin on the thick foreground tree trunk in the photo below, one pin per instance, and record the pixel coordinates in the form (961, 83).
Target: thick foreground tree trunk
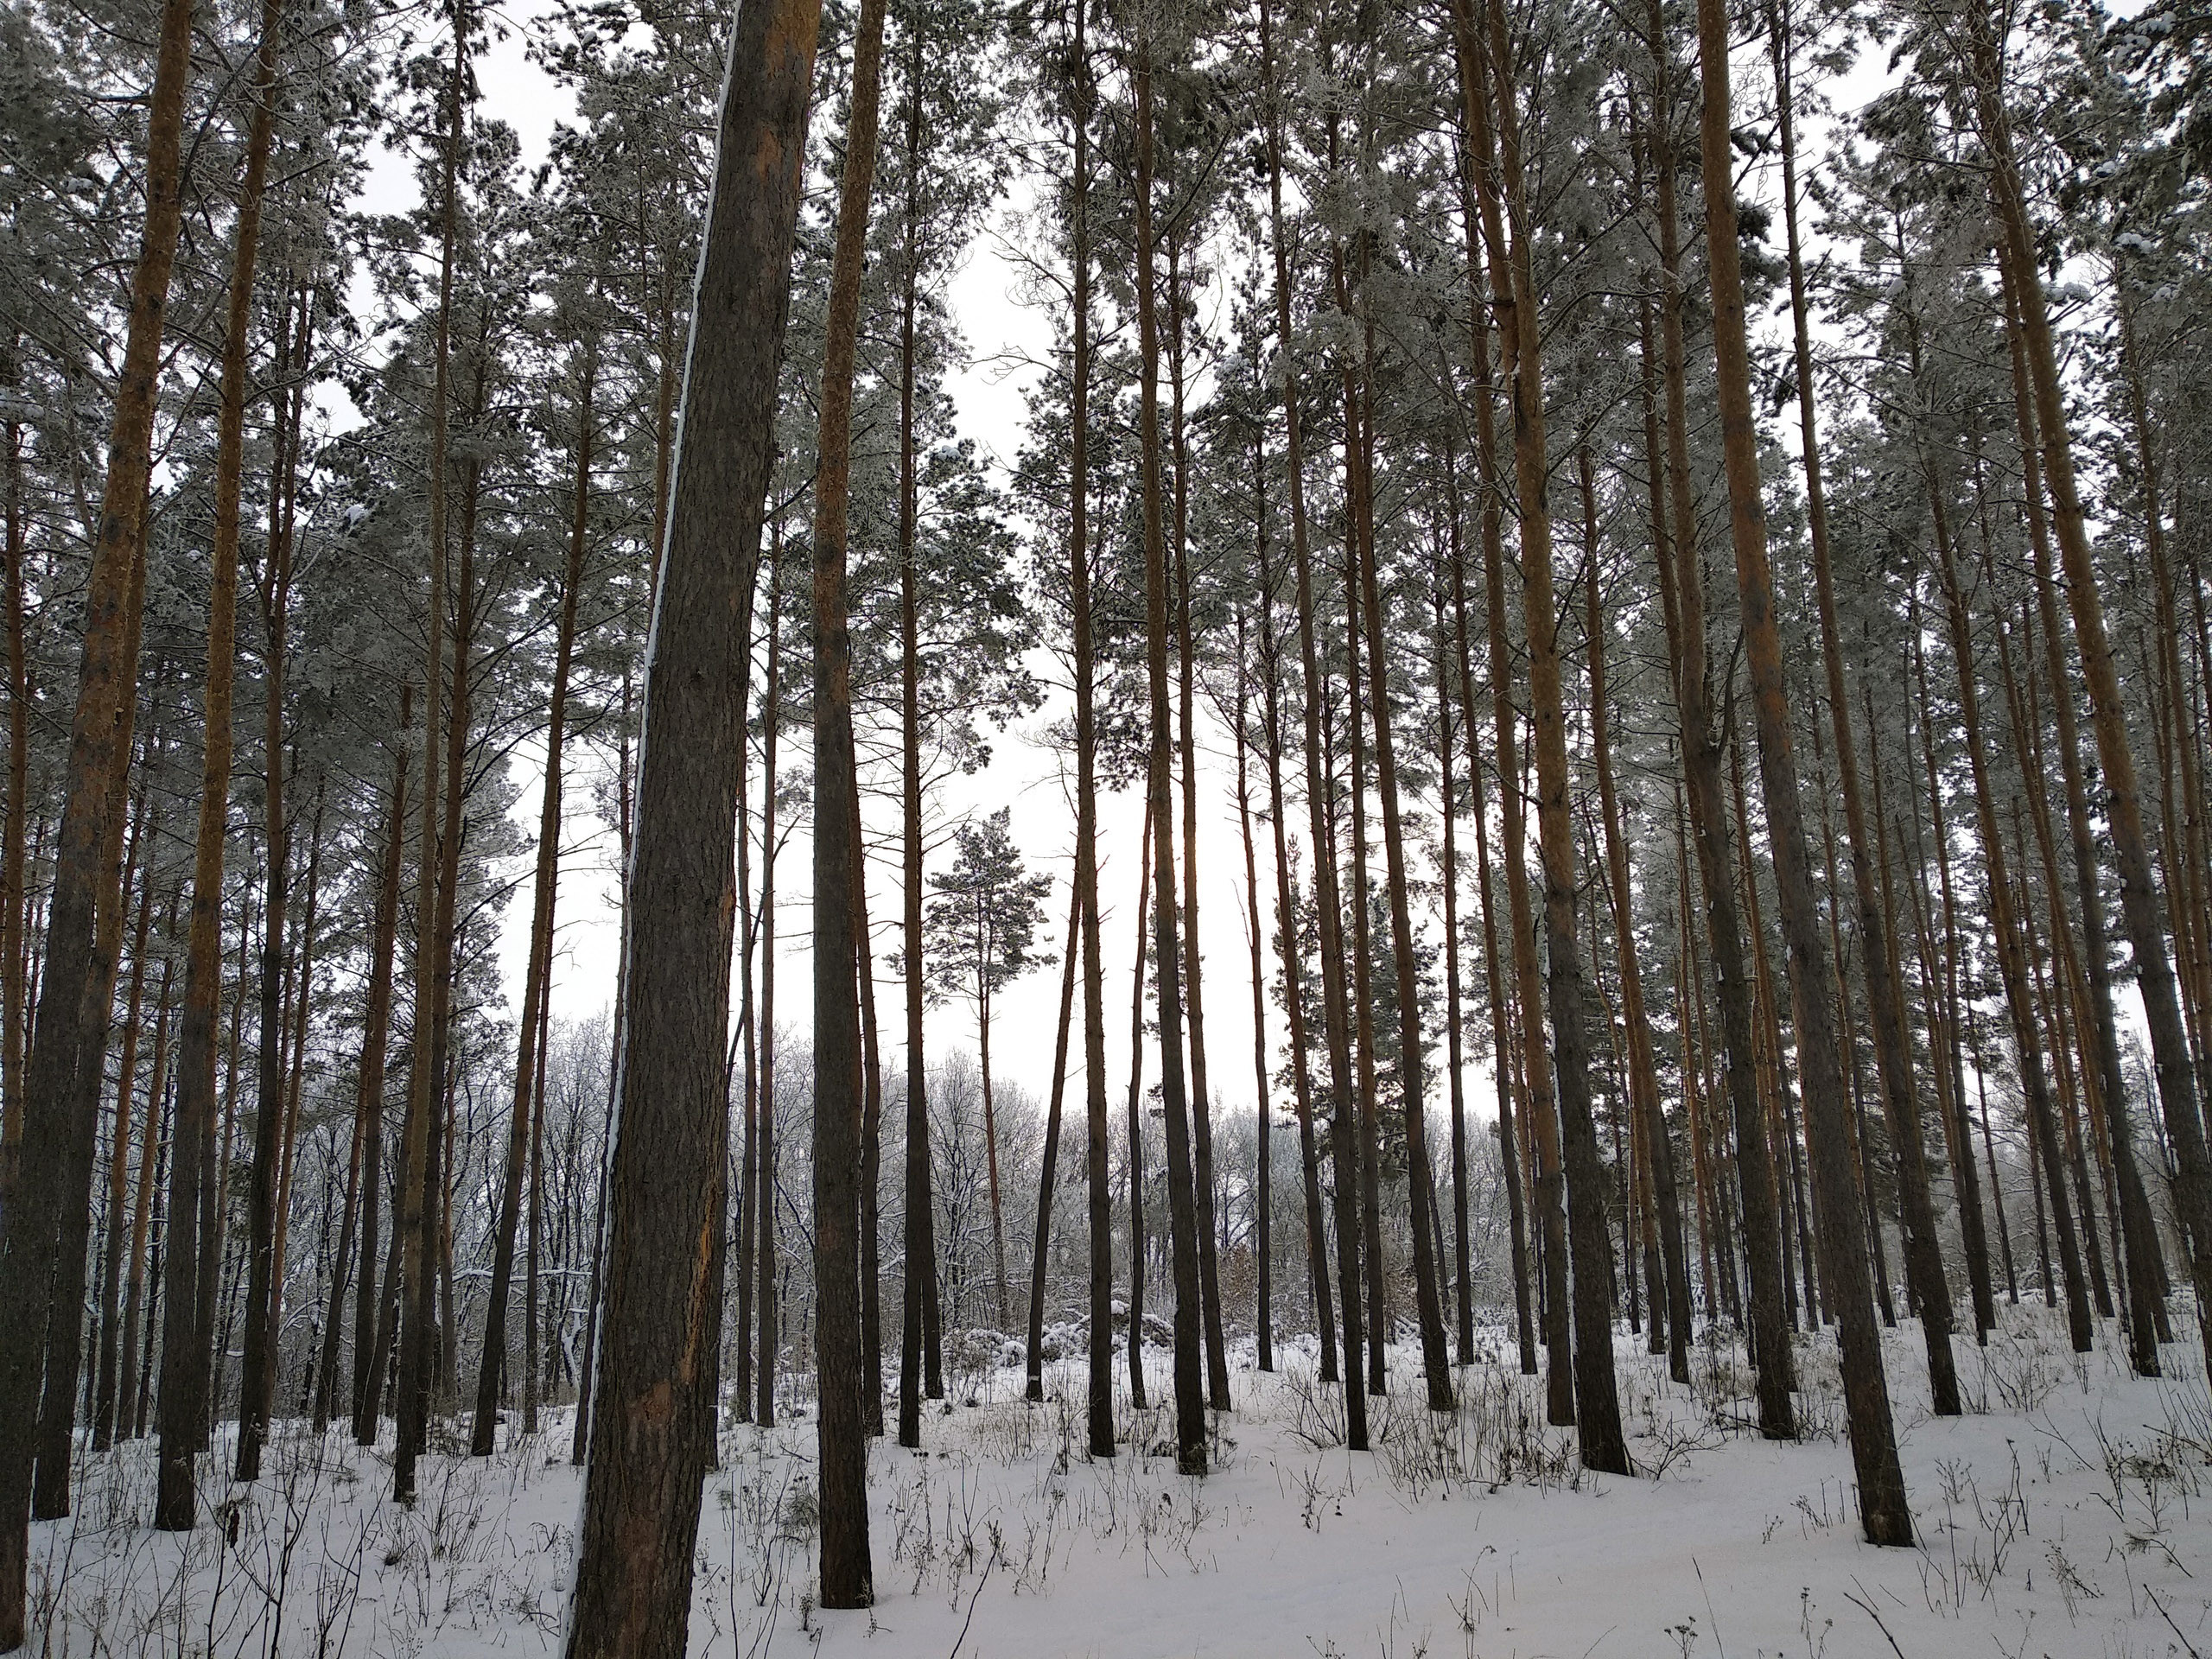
(641, 1495)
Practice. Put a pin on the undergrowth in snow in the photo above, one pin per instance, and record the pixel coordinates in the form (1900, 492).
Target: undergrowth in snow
(2068, 1513)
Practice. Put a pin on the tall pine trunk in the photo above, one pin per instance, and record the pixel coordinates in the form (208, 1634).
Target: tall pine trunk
(641, 1495)
(1336, 1020)
(1884, 1510)
(1182, 1211)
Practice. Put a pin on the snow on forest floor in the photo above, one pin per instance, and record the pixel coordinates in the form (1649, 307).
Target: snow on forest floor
(2068, 1513)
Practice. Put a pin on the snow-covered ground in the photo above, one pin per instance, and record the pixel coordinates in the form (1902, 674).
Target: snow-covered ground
(2069, 1513)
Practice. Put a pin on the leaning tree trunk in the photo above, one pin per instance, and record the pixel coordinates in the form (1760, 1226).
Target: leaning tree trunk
(1681, 584)
(1893, 1062)
(641, 1495)
(1041, 1238)
(2141, 910)
(1884, 1510)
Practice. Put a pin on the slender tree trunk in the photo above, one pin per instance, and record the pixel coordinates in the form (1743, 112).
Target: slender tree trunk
(841, 1429)
(1100, 1403)
(1436, 1362)
(764, 1160)
(1263, 1106)
(2141, 910)
(2138, 1229)
(131, 1412)
(1287, 945)
(1336, 1018)
(871, 1147)
(1182, 1213)
(1883, 1509)
(538, 969)
(119, 1175)
(417, 1186)
(13, 836)
(1682, 592)
(1362, 953)
(1048, 1166)
(1495, 170)
(920, 1366)
(1644, 1074)
(1136, 1125)
(257, 1369)
(1448, 871)
(1878, 959)
(991, 1147)
(368, 1338)
(1216, 1354)
(1493, 985)
(2011, 953)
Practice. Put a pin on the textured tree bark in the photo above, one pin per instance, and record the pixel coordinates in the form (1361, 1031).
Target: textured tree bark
(107, 687)
(64, 1331)
(14, 839)
(641, 1496)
